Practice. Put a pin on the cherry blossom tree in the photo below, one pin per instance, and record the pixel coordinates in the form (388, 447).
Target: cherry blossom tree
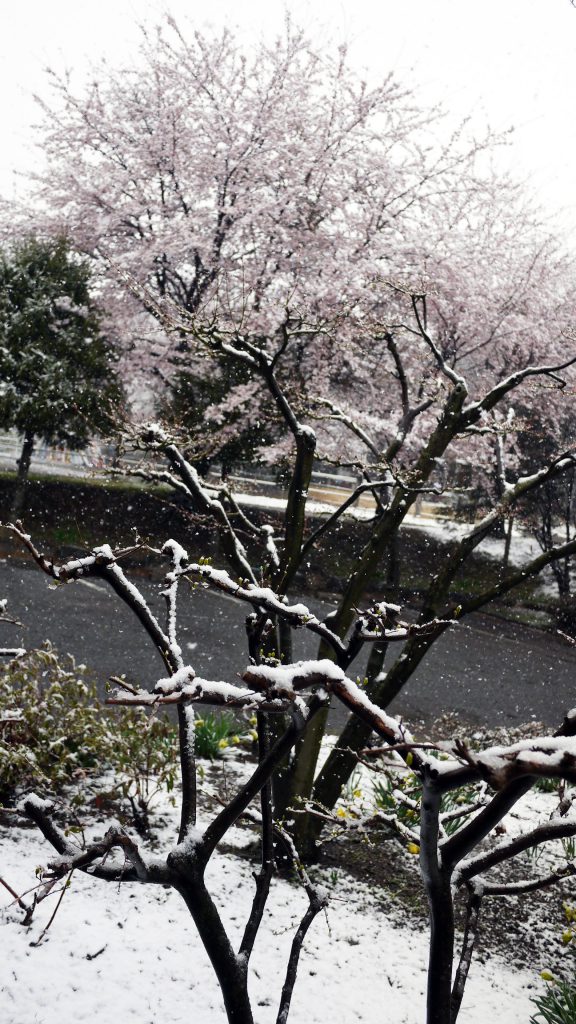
(442, 407)
(386, 297)
(246, 183)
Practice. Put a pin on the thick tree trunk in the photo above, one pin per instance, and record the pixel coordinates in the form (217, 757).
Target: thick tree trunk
(341, 761)
(383, 538)
(437, 881)
(230, 970)
(22, 475)
(306, 827)
(441, 956)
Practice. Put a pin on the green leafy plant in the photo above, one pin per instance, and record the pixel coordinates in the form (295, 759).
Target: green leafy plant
(51, 725)
(569, 850)
(54, 731)
(213, 734)
(392, 789)
(557, 1005)
(547, 785)
(400, 792)
(146, 756)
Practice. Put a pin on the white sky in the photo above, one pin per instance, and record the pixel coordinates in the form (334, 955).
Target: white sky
(509, 63)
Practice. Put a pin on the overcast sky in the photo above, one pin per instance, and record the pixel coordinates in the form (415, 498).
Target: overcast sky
(509, 63)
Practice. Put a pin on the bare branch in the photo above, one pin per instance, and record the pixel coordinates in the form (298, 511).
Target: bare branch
(356, 493)
(339, 416)
(209, 693)
(264, 598)
(527, 885)
(419, 309)
(473, 412)
(92, 859)
(474, 866)
(473, 905)
(54, 912)
(318, 900)
(218, 828)
(101, 562)
(264, 876)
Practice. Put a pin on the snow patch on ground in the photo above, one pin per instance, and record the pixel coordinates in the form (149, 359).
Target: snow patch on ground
(130, 952)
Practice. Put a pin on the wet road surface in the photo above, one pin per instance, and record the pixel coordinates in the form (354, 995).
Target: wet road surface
(487, 670)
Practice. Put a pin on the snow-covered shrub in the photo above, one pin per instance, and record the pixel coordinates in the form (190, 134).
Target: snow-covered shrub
(51, 727)
(54, 730)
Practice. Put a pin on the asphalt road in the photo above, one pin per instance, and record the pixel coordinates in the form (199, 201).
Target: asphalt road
(486, 670)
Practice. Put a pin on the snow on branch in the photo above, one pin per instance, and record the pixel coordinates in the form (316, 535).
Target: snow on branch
(203, 498)
(372, 625)
(94, 858)
(4, 617)
(548, 756)
(170, 593)
(325, 675)
(419, 310)
(524, 885)
(298, 615)
(9, 652)
(102, 563)
(472, 413)
(278, 688)
(509, 848)
(184, 687)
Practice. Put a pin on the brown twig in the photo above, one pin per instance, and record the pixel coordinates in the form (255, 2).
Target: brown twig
(56, 909)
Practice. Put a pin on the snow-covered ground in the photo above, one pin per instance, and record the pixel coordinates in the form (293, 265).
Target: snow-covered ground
(130, 953)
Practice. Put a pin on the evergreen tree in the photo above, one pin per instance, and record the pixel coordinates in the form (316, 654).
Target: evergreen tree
(57, 376)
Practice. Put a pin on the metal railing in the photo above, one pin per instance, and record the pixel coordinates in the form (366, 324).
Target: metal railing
(327, 486)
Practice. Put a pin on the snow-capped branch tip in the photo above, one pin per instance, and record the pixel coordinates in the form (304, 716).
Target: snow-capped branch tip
(74, 568)
(472, 412)
(93, 858)
(4, 617)
(380, 622)
(12, 652)
(545, 757)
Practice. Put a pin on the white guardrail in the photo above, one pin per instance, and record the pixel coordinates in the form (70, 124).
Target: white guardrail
(96, 456)
(328, 487)
(99, 456)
